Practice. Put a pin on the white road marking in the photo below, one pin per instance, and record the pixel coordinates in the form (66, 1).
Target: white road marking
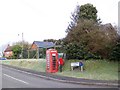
(16, 79)
(85, 83)
(40, 75)
(27, 72)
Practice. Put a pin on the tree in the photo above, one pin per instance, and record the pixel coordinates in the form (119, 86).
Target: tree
(87, 11)
(98, 40)
(87, 31)
(75, 16)
(74, 51)
(25, 47)
(50, 40)
(16, 51)
(25, 44)
(115, 55)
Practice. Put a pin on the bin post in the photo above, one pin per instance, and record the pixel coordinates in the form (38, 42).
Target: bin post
(81, 68)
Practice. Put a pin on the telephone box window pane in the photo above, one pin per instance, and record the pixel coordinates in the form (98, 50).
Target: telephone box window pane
(54, 62)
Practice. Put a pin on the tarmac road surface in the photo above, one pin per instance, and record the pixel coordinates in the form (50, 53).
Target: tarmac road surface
(12, 78)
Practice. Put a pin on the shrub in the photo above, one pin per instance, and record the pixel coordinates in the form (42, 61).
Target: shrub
(115, 54)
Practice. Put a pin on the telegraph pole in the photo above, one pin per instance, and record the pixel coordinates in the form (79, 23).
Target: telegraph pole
(22, 47)
(28, 53)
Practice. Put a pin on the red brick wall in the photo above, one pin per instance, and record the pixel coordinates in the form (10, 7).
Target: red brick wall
(8, 54)
(34, 47)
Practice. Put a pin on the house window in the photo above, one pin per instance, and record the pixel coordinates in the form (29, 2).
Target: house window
(7, 52)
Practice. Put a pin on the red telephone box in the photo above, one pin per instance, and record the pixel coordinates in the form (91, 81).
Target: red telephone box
(51, 60)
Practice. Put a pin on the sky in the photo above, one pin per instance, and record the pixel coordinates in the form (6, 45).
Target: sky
(45, 19)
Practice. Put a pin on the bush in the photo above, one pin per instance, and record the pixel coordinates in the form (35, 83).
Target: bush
(74, 51)
(89, 56)
(115, 54)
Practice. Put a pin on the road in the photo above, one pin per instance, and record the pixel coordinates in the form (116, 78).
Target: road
(12, 78)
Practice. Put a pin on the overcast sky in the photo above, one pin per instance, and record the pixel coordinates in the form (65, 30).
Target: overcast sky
(45, 19)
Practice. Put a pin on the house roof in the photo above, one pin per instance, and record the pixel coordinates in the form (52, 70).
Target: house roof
(107, 26)
(44, 44)
(9, 48)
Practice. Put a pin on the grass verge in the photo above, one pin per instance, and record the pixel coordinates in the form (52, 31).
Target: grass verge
(93, 69)
(37, 65)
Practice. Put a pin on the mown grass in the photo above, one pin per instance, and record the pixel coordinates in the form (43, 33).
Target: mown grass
(38, 65)
(93, 69)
